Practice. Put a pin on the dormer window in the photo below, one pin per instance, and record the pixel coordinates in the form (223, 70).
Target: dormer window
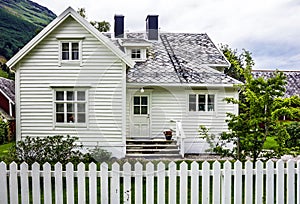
(136, 53)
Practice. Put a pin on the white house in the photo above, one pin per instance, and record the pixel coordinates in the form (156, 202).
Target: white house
(109, 89)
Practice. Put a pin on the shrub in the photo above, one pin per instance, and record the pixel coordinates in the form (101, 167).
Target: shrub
(294, 141)
(3, 131)
(50, 149)
(100, 155)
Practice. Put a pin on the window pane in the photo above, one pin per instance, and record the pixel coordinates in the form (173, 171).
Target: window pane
(75, 51)
(136, 110)
(81, 107)
(201, 102)
(59, 117)
(81, 117)
(144, 100)
(59, 108)
(192, 102)
(136, 100)
(144, 110)
(65, 51)
(59, 95)
(70, 118)
(211, 103)
(81, 95)
(70, 95)
(70, 107)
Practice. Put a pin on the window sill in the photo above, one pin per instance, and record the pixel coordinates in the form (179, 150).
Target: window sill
(70, 125)
(70, 62)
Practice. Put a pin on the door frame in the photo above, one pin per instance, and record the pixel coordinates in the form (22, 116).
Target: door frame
(147, 92)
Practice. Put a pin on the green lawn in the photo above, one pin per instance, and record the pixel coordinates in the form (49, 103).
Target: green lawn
(5, 148)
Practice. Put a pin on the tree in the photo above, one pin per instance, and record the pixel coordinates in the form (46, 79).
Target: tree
(102, 26)
(239, 62)
(260, 118)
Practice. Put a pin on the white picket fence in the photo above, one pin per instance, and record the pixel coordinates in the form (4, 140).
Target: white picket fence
(271, 182)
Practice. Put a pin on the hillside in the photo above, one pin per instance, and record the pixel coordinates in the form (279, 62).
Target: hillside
(20, 21)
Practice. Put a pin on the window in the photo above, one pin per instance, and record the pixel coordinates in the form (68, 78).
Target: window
(70, 106)
(140, 105)
(201, 102)
(70, 51)
(136, 54)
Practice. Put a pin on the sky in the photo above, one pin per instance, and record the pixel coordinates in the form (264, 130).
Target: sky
(269, 29)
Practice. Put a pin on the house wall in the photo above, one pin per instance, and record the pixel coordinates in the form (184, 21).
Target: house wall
(4, 103)
(172, 104)
(100, 71)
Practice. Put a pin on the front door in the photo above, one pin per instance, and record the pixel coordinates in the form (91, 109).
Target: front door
(140, 125)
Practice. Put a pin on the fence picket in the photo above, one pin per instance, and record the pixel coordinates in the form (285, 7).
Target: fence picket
(58, 183)
(127, 183)
(104, 183)
(70, 183)
(150, 183)
(3, 183)
(205, 182)
(115, 184)
(291, 182)
(270, 182)
(172, 182)
(298, 181)
(13, 183)
(248, 182)
(92, 183)
(47, 184)
(81, 183)
(138, 167)
(216, 182)
(161, 181)
(227, 183)
(195, 183)
(24, 183)
(279, 182)
(259, 182)
(36, 192)
(183, 179)
(238, 182)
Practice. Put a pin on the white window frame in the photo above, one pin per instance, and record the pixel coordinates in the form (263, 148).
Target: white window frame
(197, 103)
(79, 60)
(135, 52)
(65, 102)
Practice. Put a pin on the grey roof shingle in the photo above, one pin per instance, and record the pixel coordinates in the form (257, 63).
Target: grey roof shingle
(179, 58)
(8, 87)
(292, 77)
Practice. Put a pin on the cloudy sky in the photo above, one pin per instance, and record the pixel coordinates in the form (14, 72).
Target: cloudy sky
(270, 29)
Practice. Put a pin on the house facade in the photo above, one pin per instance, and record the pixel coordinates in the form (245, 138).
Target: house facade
(108, 89)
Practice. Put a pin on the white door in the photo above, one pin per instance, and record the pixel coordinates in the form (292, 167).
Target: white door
(140, 123)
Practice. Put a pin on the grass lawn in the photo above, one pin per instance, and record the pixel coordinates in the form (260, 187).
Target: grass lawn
(4, 149)
(270, 143)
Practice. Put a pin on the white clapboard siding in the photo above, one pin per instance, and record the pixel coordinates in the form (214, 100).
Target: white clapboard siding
(168, 104)
(100, 69)
(218, 185)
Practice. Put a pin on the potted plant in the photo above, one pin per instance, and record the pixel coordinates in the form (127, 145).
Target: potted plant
(168, 134)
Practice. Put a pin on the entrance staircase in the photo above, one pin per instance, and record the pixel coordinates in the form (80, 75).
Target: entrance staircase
(151, 148)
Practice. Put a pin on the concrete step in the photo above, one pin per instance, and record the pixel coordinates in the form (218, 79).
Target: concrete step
(152, 156)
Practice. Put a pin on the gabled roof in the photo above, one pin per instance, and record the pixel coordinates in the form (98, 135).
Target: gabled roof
(7, 88)
(292, 78)
(180, 58)
(55, 23)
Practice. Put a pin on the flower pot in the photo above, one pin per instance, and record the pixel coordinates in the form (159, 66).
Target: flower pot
(168, 134)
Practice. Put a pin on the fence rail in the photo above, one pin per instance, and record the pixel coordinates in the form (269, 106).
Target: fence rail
(270, 182)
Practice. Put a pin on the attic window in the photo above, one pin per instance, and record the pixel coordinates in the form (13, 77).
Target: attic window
(136, 53)
(70, 51)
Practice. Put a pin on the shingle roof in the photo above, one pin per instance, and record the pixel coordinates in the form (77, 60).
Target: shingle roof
(179, 58)
(292, 77)
(8, 87)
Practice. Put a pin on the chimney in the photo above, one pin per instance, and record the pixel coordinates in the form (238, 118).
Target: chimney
(152, 27)
(119, 26)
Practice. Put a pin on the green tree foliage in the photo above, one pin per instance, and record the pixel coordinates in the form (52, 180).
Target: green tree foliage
(260, 118)
(240, 63)
(3, 131)
(102, 26)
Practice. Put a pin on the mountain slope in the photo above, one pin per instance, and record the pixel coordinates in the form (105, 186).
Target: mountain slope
(20, 21)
